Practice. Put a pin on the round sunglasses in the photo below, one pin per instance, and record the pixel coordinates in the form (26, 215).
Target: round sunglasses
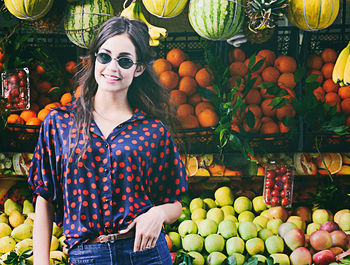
(105, 58)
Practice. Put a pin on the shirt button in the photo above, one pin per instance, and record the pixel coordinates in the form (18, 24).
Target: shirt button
(106, 145)
(119, 126)
(106, 170)
(109, 230)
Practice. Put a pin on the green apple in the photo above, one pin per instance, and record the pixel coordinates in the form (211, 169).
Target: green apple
(198, 214)
(261, 220)
(285, 227)
(320, 216)
(231, 217)
(227, 228)
(258, 227)
(215, 214)
(344, 222)
(274, 244)
(247, 230)
(235, 245)
(176, 239)
(216, 258)
(198, 258)
(214, 242)
(281, 259)
(258, 204)
(187, 227)
(228, 210)
(298, 221)
(196, 203)
(255, 246)
(265, 213)
(312, 227)
(185, 215)
(246, 216)
(337, 215)
(224, 196)
(193, 242)
(273, 225)
(239, 258)
(260, 258)
(209, 203)
(207, 227)
(242, 204)
(265, 233)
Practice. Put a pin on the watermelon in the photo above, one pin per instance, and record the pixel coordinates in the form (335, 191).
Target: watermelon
(165, 8)
(216, 19)
(28, 9)
(82, 20)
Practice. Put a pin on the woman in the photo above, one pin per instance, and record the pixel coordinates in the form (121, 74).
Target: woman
(106, 167)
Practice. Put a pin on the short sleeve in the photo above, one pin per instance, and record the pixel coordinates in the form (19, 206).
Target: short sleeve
(45, 170)
(169, 178)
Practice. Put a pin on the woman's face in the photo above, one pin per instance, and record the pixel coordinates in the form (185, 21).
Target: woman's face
(111, 77)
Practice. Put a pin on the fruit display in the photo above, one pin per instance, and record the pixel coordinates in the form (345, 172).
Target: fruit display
(165, 9)
(215, 19)
(342, 67)
(15, 163)
(28, 9)
(16, 229)
(15, 88)
(220, 226)
(82, 19)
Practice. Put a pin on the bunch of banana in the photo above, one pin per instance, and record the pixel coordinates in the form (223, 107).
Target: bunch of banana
(133, 11)
(341, 71)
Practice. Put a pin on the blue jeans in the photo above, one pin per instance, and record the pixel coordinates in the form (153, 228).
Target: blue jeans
(120, 252)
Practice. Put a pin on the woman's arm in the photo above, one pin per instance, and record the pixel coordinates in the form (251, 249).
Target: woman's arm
(169, 211)
(42, 231)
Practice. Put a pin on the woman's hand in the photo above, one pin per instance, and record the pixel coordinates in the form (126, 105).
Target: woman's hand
(147, 228)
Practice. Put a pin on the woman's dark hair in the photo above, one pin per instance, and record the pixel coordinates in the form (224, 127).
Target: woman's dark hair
(144, 93)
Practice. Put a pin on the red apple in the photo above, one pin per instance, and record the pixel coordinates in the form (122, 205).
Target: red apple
(301, 256)
(173, 256)
(336, 250)
(168, 241)
(304, 212)
(321, 240)
(329, 226)
(294, 238)
(324, 257)
(278, 212)
(339, 239)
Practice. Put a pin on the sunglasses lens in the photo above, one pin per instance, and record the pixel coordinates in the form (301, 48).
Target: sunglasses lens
(125, 63)
(103, 58)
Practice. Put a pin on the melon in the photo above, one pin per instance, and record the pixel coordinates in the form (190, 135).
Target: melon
(82, 20)
(312, 14)
(28, 9)
(216, 19)
(165, 8)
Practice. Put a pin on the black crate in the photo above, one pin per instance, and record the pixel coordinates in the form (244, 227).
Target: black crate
(19, 138)
(326, 142)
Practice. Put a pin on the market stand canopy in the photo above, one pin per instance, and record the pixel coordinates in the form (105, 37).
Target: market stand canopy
(83, 19)
(28, 9)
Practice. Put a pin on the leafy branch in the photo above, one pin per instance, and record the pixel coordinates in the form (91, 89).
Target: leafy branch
(18, 259)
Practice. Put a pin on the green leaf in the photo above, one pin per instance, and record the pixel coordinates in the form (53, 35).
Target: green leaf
(252, 261)
(299, 74)
(269, 261)
(258, 65)
(252, 60)
(231, 260)
(312, 78)
(250, 119)
(27, 253)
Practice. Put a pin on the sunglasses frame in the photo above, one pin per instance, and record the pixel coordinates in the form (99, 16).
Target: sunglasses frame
(117, 59)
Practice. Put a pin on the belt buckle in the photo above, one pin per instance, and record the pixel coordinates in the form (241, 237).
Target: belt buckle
(107, 238)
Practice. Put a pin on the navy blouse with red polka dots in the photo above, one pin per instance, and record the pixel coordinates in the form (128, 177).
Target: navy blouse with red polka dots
(116, 179)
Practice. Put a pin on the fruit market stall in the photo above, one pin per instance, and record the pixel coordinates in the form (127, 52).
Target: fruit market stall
(262, 99)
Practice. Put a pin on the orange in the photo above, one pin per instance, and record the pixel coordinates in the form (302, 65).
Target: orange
(267, 109)
(53, 105)
(332, 161)
(255, 109)
(329, 55)
(188, 85)
(270, 74)
(269, 56)
(71, 67)
(318, 73)
(253, 96)
(191, 165)
(332, 98)
(42, 114)
(184, 110)
(266, 119)
(203, 106)
(187, 68)
(327, 70)
(161, 65)
(255, 128)
(216, 169)
(176, 56)
(344, 92)
(169, 79)
(189, 122)
(345, 106)
(314, 61)
(269, 128)
(177, 97)
(233, 82)
(330, 86)
(27, 114)
(39, 69)
(238, 68)
(257, 59)
(33, 121)
(283, 128)
(286, 80)
(261, 171)
(258, 80)
(195, 99)
(319, 94)
(204, 77)
(208, 118)
(212, 92)
(235, 127)
(290, 93)
(285, 64)
(236, 54)
(66, 98)
(15, 119)
(286, 110)
(43, 87)
(264, 94)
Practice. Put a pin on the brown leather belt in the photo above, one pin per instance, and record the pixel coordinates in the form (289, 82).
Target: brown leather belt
(112, 237)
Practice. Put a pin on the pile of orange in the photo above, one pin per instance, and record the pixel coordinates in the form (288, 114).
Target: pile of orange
(183, 77)
(322, 64)
(276, 69)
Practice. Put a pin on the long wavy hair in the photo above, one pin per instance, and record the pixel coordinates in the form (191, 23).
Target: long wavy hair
(144, 93)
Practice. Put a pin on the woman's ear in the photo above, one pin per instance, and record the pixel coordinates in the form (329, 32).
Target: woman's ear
(140, 68)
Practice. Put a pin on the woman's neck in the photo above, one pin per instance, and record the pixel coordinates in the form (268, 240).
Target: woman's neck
(110, 104)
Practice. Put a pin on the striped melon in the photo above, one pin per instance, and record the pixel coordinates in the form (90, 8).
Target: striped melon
(216, 19)
(28, 9)
(83, 19)
(312, 14)
(165, 8)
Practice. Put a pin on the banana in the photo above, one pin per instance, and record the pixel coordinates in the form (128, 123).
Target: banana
(346, 78)
(340, 65)
(133, 11)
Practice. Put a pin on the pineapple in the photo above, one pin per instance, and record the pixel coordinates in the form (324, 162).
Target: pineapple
(262, 18)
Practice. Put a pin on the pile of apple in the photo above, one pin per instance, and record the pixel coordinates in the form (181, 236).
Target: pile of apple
(212, 229)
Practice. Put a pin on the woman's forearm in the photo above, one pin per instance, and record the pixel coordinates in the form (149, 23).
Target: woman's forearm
(42, 231)
(171, 211)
